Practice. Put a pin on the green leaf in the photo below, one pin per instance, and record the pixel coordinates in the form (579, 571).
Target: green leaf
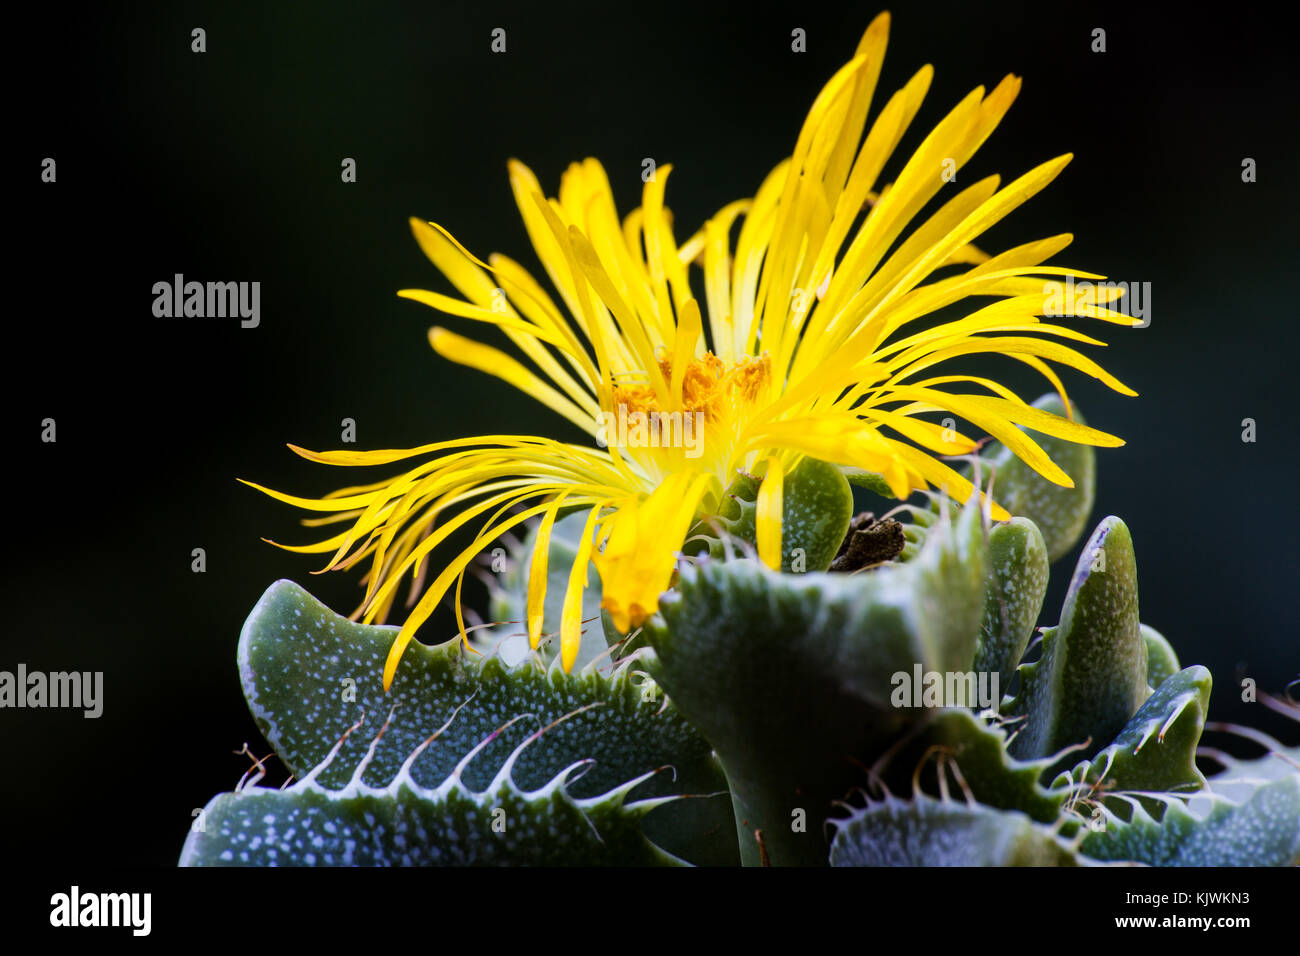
(405, 824)
(787, 674)
(1092, 675)
(310, 674)
(1060, 513)
(1211, 830)
(1017, 585)
(957, 737)
(1162, 660)
(1156, 750)
(929, 832)
(817, 505)
(1241, 778)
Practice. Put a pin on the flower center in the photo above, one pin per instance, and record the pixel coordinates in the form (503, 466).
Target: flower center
(709, 386)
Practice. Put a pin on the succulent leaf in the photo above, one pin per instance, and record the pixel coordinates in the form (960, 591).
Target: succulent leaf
(816, 507)
(1162, 660)
(1092, 676)
(1156, 750)
(406, 824)
(924, 831)
(309, 674)
(755, 659)
(1211, 830)
(1017, 585)
(958, 738)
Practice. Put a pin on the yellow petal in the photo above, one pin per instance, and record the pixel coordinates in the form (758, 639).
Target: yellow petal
(536, 607)
(769, 514)
(476, 355)
(571, 615)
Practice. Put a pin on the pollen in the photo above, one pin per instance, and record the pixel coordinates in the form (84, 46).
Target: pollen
(709, 385)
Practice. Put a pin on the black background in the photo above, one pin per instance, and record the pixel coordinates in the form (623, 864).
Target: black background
(225, 166)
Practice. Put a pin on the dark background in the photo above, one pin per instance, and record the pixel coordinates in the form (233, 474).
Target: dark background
(225, 166)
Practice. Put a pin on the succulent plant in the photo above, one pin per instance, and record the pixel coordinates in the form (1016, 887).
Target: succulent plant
(769, 717)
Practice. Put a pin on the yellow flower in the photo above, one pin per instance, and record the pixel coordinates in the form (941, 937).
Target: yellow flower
(796, 352)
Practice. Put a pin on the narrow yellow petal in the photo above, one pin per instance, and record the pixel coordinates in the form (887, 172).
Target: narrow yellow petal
(689, 331)
(420, 613)
(1046, 422)
(993, 421)
(536, 607)
(769, 514)
(571, 615)
(1010, 344)
(476, 355)
(941, 476)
